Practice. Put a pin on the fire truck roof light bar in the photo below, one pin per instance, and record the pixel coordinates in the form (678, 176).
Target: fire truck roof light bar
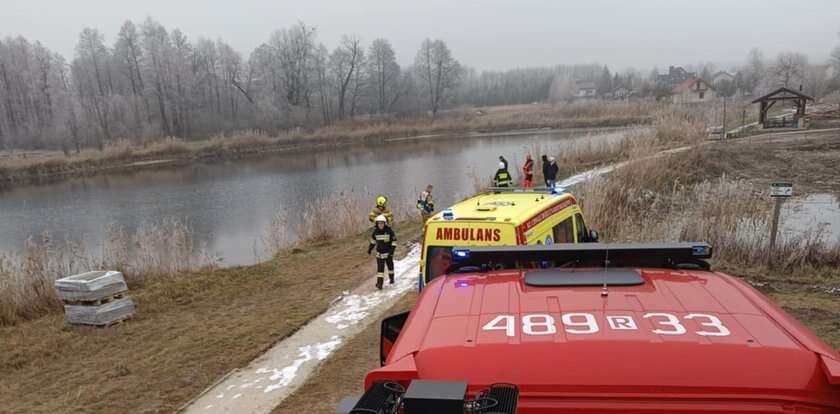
(666, 255)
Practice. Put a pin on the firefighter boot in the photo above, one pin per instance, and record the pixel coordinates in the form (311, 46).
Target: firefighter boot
(391, 278)
(379, 281)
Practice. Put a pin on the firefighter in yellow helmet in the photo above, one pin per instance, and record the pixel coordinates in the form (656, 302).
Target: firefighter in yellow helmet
(384, 241)
(381, 209)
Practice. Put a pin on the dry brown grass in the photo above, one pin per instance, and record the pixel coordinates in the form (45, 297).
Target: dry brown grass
(189, 331)
(38, 165)
(156, 249)
(674, 197)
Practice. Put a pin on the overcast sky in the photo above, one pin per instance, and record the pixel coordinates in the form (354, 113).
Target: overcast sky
(490, 34)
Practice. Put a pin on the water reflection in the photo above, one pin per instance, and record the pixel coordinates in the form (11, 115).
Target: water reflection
(815, 212)
(230, 204)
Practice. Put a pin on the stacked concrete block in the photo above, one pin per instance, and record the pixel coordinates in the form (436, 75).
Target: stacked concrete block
(95, 298)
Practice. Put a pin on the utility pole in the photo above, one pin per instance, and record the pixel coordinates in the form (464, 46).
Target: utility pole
(743, 120)
(723, 133)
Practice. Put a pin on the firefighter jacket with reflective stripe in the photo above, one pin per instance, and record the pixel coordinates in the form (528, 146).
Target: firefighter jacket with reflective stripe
(502, 178)
(384, 240)
(425, 203)
(383, 211)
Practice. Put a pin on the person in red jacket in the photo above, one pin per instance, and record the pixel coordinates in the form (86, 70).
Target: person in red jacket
(528, 171)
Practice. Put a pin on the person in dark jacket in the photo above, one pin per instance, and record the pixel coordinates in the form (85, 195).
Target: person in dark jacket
(384, 241)
(502, 177)
(551, 173)
(545, 168)
(503, 160)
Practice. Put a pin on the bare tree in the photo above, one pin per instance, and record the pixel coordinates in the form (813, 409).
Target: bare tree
(294, 49)
(157, 48)
(129, 55)
(789, 69)
(438, 71)
(816, 81)
(345, 62)
(755, 70)
(323, 83)
(384, 74)
(562, 88)
(90, 75)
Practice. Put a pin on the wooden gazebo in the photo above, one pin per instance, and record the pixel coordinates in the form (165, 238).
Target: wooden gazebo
(782, 94)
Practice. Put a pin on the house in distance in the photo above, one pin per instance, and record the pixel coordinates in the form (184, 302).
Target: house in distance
(692, 90)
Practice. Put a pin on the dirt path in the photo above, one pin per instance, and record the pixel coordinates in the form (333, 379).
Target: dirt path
(270, 378)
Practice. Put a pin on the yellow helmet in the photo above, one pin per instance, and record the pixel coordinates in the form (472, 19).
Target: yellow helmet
(381, 200)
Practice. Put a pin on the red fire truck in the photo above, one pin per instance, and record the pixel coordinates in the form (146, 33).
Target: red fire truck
(596, 328)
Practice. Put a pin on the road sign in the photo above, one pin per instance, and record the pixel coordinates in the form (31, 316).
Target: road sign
(781, 189)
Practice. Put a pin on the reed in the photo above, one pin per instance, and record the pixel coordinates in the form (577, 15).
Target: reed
(154, 249)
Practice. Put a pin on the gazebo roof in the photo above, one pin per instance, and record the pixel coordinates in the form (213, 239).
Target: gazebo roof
(783, 94)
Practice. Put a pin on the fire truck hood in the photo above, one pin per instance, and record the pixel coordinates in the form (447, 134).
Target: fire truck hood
(679, 333)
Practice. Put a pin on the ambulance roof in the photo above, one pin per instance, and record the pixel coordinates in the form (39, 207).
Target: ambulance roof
(514, 206)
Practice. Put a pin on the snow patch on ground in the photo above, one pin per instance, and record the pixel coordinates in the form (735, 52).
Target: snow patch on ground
(346, 311)
(597, 172)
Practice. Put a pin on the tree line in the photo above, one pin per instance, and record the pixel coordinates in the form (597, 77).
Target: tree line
(151, 82)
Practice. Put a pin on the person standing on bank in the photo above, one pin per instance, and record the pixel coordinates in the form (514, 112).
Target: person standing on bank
(381, 209)
(528, 172)
(551, 173)
(502, 177)
(426, 204)
(545, 168)
(384, 241)
(503, 160)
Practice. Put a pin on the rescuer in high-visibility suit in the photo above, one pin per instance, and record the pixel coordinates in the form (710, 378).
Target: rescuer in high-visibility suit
(502, 177)
(381, 209)
(426, 204)
(384, 240)
(528, 172)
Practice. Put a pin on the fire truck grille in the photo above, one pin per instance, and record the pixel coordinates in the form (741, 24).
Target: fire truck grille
(500, 399)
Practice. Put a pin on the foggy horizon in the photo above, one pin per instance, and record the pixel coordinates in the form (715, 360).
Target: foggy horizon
(493, 35)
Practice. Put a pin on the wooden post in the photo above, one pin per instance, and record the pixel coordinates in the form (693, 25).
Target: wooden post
(723, 133)
(774, 226)
(779, 191)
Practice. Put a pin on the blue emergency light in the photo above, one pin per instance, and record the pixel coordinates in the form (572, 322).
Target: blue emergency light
(558, 189)
(460, 254)
(700, 250)
(448, 214)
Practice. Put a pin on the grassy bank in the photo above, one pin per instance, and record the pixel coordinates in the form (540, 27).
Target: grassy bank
(155, 250)
(24, 167)
(189, 331)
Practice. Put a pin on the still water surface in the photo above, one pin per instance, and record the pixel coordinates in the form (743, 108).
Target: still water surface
(230, 205)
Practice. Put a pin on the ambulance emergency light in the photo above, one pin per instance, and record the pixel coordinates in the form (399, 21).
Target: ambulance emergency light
(448, 214)
(459, 254)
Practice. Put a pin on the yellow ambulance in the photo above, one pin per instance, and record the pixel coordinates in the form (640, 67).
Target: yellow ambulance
(501, 218)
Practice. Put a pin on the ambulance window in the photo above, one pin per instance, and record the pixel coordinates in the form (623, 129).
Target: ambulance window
(564, 232)
(438, 258)
(581, 229)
